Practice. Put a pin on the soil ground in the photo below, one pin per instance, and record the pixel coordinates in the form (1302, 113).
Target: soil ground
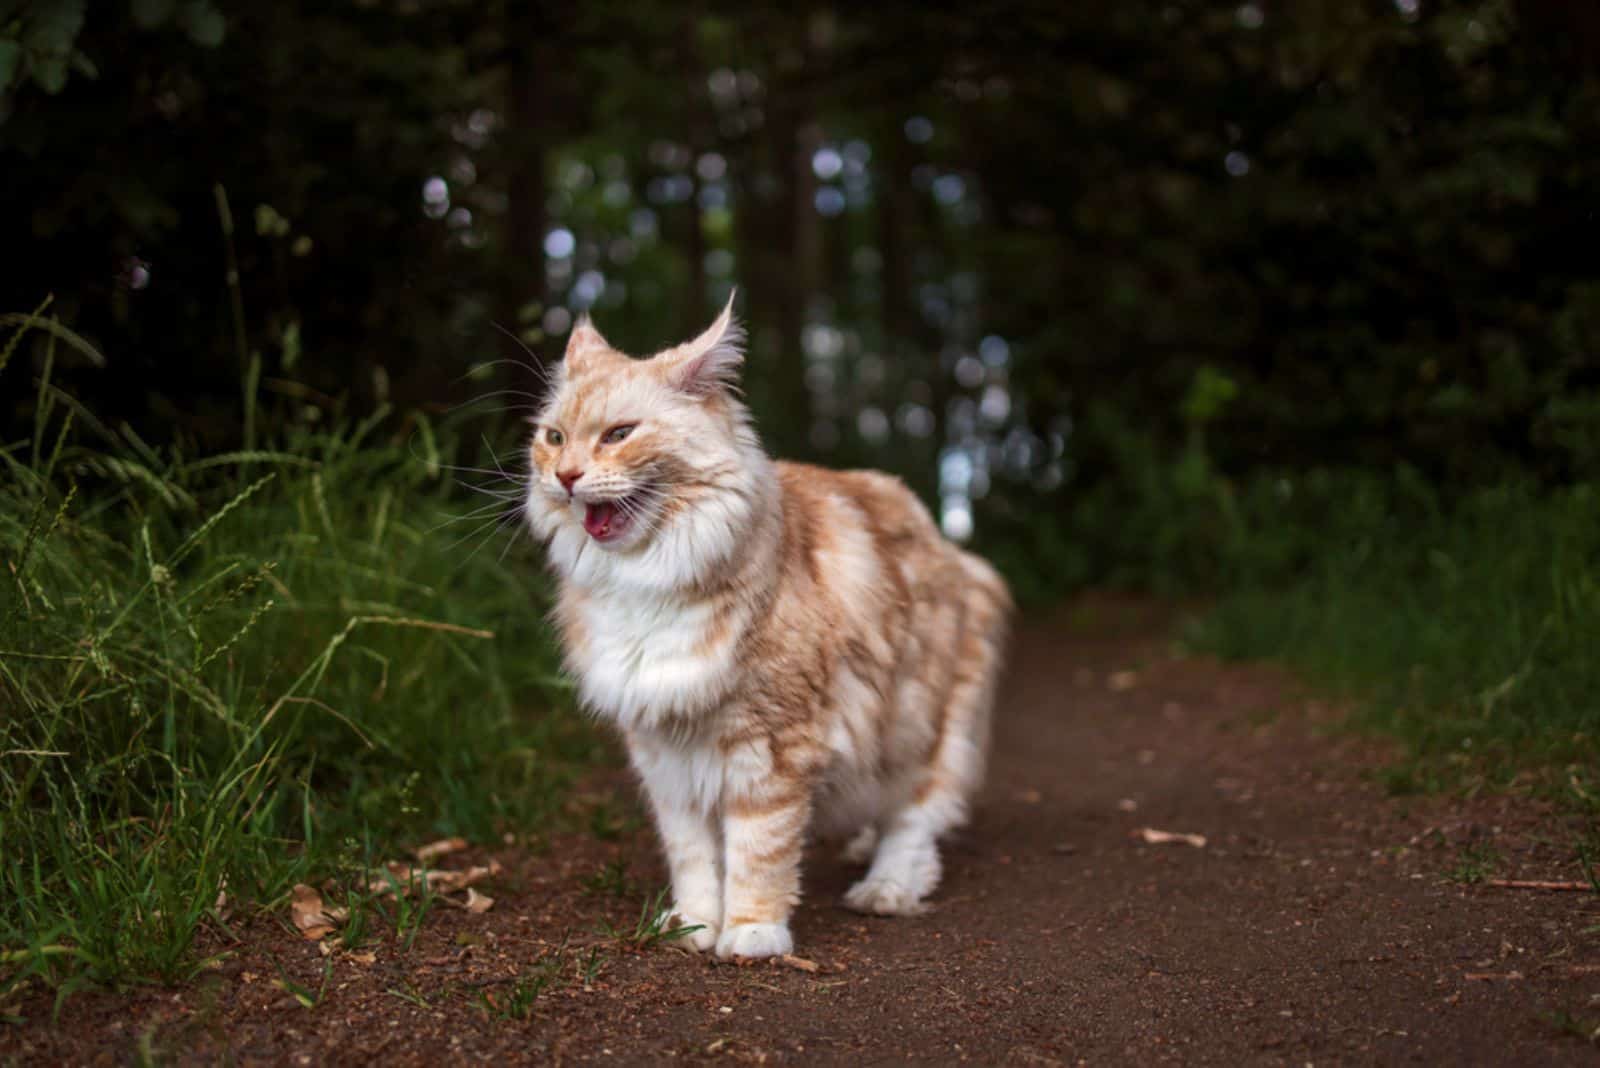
(1321, 922)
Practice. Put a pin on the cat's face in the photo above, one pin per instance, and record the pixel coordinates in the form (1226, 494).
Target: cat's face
(624, 448)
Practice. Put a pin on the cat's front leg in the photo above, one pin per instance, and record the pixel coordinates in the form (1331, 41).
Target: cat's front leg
(688, 838)
(764, 829)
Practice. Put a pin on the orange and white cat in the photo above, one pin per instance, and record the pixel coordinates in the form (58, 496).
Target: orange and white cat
(784, 648)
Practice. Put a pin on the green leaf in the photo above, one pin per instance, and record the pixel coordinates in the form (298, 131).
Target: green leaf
(10, 60)
(152, 13)
(203, 23)
(50, 72)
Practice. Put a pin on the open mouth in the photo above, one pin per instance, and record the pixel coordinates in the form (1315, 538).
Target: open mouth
(609, 520)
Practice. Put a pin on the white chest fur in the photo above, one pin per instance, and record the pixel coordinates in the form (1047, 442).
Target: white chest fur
(642, 658)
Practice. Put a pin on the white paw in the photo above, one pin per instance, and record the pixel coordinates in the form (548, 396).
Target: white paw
(884, 897)
(755, 940)
(700, 940)
(859, 851)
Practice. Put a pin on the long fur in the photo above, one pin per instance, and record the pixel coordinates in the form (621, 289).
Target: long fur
(784, 648)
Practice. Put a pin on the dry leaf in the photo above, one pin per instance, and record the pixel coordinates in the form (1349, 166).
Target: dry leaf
(1120, 681)
(426, 853)
(368, 957)
(438, 880)
(1151, 836)
(314, 919)
(477, 902)
(799, 963)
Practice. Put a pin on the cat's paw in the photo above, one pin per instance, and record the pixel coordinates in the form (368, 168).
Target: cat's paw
(883, 897)
(755, 940)
(700, 940)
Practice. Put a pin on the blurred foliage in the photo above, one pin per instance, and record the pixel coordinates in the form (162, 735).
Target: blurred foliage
(1047, 260)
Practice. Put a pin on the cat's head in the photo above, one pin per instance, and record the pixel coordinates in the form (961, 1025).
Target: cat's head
(634, 456)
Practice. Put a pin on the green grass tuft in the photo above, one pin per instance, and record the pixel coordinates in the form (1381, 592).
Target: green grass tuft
(222, 673)
(1466, 628)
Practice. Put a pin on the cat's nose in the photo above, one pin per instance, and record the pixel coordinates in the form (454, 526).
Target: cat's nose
(567, 478)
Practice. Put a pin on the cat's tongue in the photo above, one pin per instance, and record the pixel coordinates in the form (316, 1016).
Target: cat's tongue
(601, 520)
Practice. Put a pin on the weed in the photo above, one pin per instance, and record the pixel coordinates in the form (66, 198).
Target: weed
(307, 998)
(412, 904)
(593, 963)
(410, 994)
(611, 880)
(517, 1001)
(1475, 862)
(1567, 1022)
(654, 925)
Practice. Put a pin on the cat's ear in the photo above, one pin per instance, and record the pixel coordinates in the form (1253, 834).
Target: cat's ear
(710, 363)
(583, 344)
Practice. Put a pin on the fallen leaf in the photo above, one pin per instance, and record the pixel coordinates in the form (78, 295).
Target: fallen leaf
(439, 880)
(788, 960)
(477, 902)
(314, 919)
(1151, 836)
(1120, 681)
(426, 853)
(368, 957)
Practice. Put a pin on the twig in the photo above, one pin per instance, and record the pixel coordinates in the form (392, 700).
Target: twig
(1538, 884)
(788, 960)
(1151, 836)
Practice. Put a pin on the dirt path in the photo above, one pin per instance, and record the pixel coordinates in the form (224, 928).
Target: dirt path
(1321, 922)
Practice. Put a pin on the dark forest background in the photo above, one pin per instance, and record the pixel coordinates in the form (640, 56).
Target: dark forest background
(1061, 265)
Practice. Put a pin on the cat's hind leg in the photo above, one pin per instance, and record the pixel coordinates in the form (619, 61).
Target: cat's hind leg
(905, 866)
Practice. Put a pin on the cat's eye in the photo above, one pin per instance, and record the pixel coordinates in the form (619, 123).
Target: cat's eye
(617, 433)
(554, 436)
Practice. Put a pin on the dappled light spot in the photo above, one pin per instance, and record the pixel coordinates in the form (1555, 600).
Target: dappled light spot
(559, 243)
(955, 518)
(829, 201)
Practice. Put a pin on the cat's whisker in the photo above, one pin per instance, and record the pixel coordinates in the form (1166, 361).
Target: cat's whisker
(495, 472)
(488, 530)
(537, 366)
(483, 510)
(500, 496)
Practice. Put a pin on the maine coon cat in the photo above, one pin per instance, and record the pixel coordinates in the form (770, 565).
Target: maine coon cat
(785, 649)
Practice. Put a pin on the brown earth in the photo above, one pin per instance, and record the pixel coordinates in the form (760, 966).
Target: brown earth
(1320, 922)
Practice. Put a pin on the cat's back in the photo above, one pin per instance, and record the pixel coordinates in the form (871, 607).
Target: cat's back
(860, 534)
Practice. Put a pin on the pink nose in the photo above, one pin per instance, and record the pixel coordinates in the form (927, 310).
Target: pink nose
(567, 478)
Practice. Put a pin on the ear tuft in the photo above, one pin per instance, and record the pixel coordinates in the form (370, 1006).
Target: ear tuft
(710, 363)
(584, 342)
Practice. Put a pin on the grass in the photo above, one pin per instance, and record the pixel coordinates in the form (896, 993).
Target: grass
(235, 672)
(1475, 863)
(1467, 628)
(653, 927)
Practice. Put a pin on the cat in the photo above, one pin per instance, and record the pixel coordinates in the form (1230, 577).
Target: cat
(784, 648)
